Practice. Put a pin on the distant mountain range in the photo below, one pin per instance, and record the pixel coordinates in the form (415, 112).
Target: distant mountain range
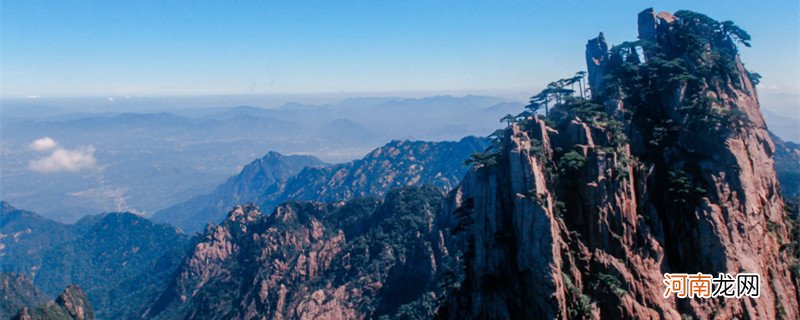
(275, 178)
(122, 260)
(787, 167)
(263, 176)
(148, 161)
(129, 266)
(784, 127)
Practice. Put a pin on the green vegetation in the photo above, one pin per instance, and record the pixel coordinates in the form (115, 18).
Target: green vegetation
(582, 308)
(666, 90)
(386, 251)
(71, 304)
(389, 251)
(682, 188)
(482, 159)
(697, 32)
(557, 93)
(792, 249)
(703, 60)
(489, 156)
(120, 259)
(536, 148)
(17, 291)
(608, 284)
(571, 162)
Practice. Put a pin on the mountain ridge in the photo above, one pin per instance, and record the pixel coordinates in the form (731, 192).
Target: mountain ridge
(395, 164)
(110, 256)
(318, 260)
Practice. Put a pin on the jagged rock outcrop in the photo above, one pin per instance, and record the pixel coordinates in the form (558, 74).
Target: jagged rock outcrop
(74, 301)
(647, 24)
(361, 259)
(596, 60)
(669, 168)
(17, 291)
(71, 304)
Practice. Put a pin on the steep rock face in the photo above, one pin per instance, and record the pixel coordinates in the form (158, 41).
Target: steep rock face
(360, 259)
(678, 177)
(514, 266)
(71, 304)
(74, 301)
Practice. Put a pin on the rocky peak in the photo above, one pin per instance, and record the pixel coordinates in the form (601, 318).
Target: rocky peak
(17, 291)
(71, 304)
(582, 220)
(243, 214)
(74, 300)
(596, 60)
(647, 25)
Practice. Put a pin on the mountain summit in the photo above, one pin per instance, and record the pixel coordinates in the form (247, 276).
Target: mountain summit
(667, 168)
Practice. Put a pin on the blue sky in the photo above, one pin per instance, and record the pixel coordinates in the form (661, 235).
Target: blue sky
(107, 48)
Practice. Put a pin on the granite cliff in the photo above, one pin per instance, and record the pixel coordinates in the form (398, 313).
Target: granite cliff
(668, 167)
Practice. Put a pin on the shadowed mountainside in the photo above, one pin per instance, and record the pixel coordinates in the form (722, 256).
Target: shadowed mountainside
(121, 260)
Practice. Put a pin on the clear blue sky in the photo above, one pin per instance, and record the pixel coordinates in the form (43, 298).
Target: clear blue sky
(99, 48)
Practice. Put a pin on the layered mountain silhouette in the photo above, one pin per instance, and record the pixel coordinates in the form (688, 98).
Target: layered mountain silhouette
(275, 178)
(573, 210)
(261, 177)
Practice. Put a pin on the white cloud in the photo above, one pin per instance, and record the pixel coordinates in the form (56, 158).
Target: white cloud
(61, 159)
(44, 144)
